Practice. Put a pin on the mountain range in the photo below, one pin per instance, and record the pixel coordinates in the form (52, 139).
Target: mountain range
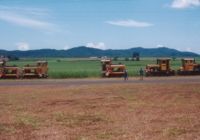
(83, 51)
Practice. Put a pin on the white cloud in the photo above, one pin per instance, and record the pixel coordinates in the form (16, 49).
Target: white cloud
(26, 17)
(160, 45)
(99, 45)
(24, 21)
(66, 47)
(189, 49)
(130, 23)
(23, 46)
(181, 4)
(26, 10)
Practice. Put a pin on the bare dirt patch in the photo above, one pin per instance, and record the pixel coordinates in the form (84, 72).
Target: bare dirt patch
(97, 112)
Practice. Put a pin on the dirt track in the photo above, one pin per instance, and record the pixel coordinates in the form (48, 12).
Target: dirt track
(69, 82)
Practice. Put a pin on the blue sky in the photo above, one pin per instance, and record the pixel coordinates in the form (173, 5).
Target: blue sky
(105, 24)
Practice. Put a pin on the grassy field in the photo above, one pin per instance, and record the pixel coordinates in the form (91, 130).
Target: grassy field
(101, 112)
(80, 68)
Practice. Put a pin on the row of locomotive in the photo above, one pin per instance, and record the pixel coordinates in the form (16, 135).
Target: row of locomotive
(39, 70)
(163, 68)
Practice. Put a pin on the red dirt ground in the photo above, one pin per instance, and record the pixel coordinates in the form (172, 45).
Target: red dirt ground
(101, 112)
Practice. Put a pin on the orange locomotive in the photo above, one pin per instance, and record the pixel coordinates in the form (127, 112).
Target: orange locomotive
(9, 71)
(112, 70)
(162, 68)
(189, 67)
(35, 71)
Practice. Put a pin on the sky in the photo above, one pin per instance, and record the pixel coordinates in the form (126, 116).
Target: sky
(104, 24)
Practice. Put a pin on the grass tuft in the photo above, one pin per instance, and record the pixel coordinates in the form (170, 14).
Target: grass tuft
(77, 120)
(27, 121)
(173, 132)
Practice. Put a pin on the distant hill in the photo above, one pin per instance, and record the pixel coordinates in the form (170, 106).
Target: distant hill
(83, 51)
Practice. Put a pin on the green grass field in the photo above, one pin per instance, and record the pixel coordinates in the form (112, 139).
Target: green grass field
(81, 68)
